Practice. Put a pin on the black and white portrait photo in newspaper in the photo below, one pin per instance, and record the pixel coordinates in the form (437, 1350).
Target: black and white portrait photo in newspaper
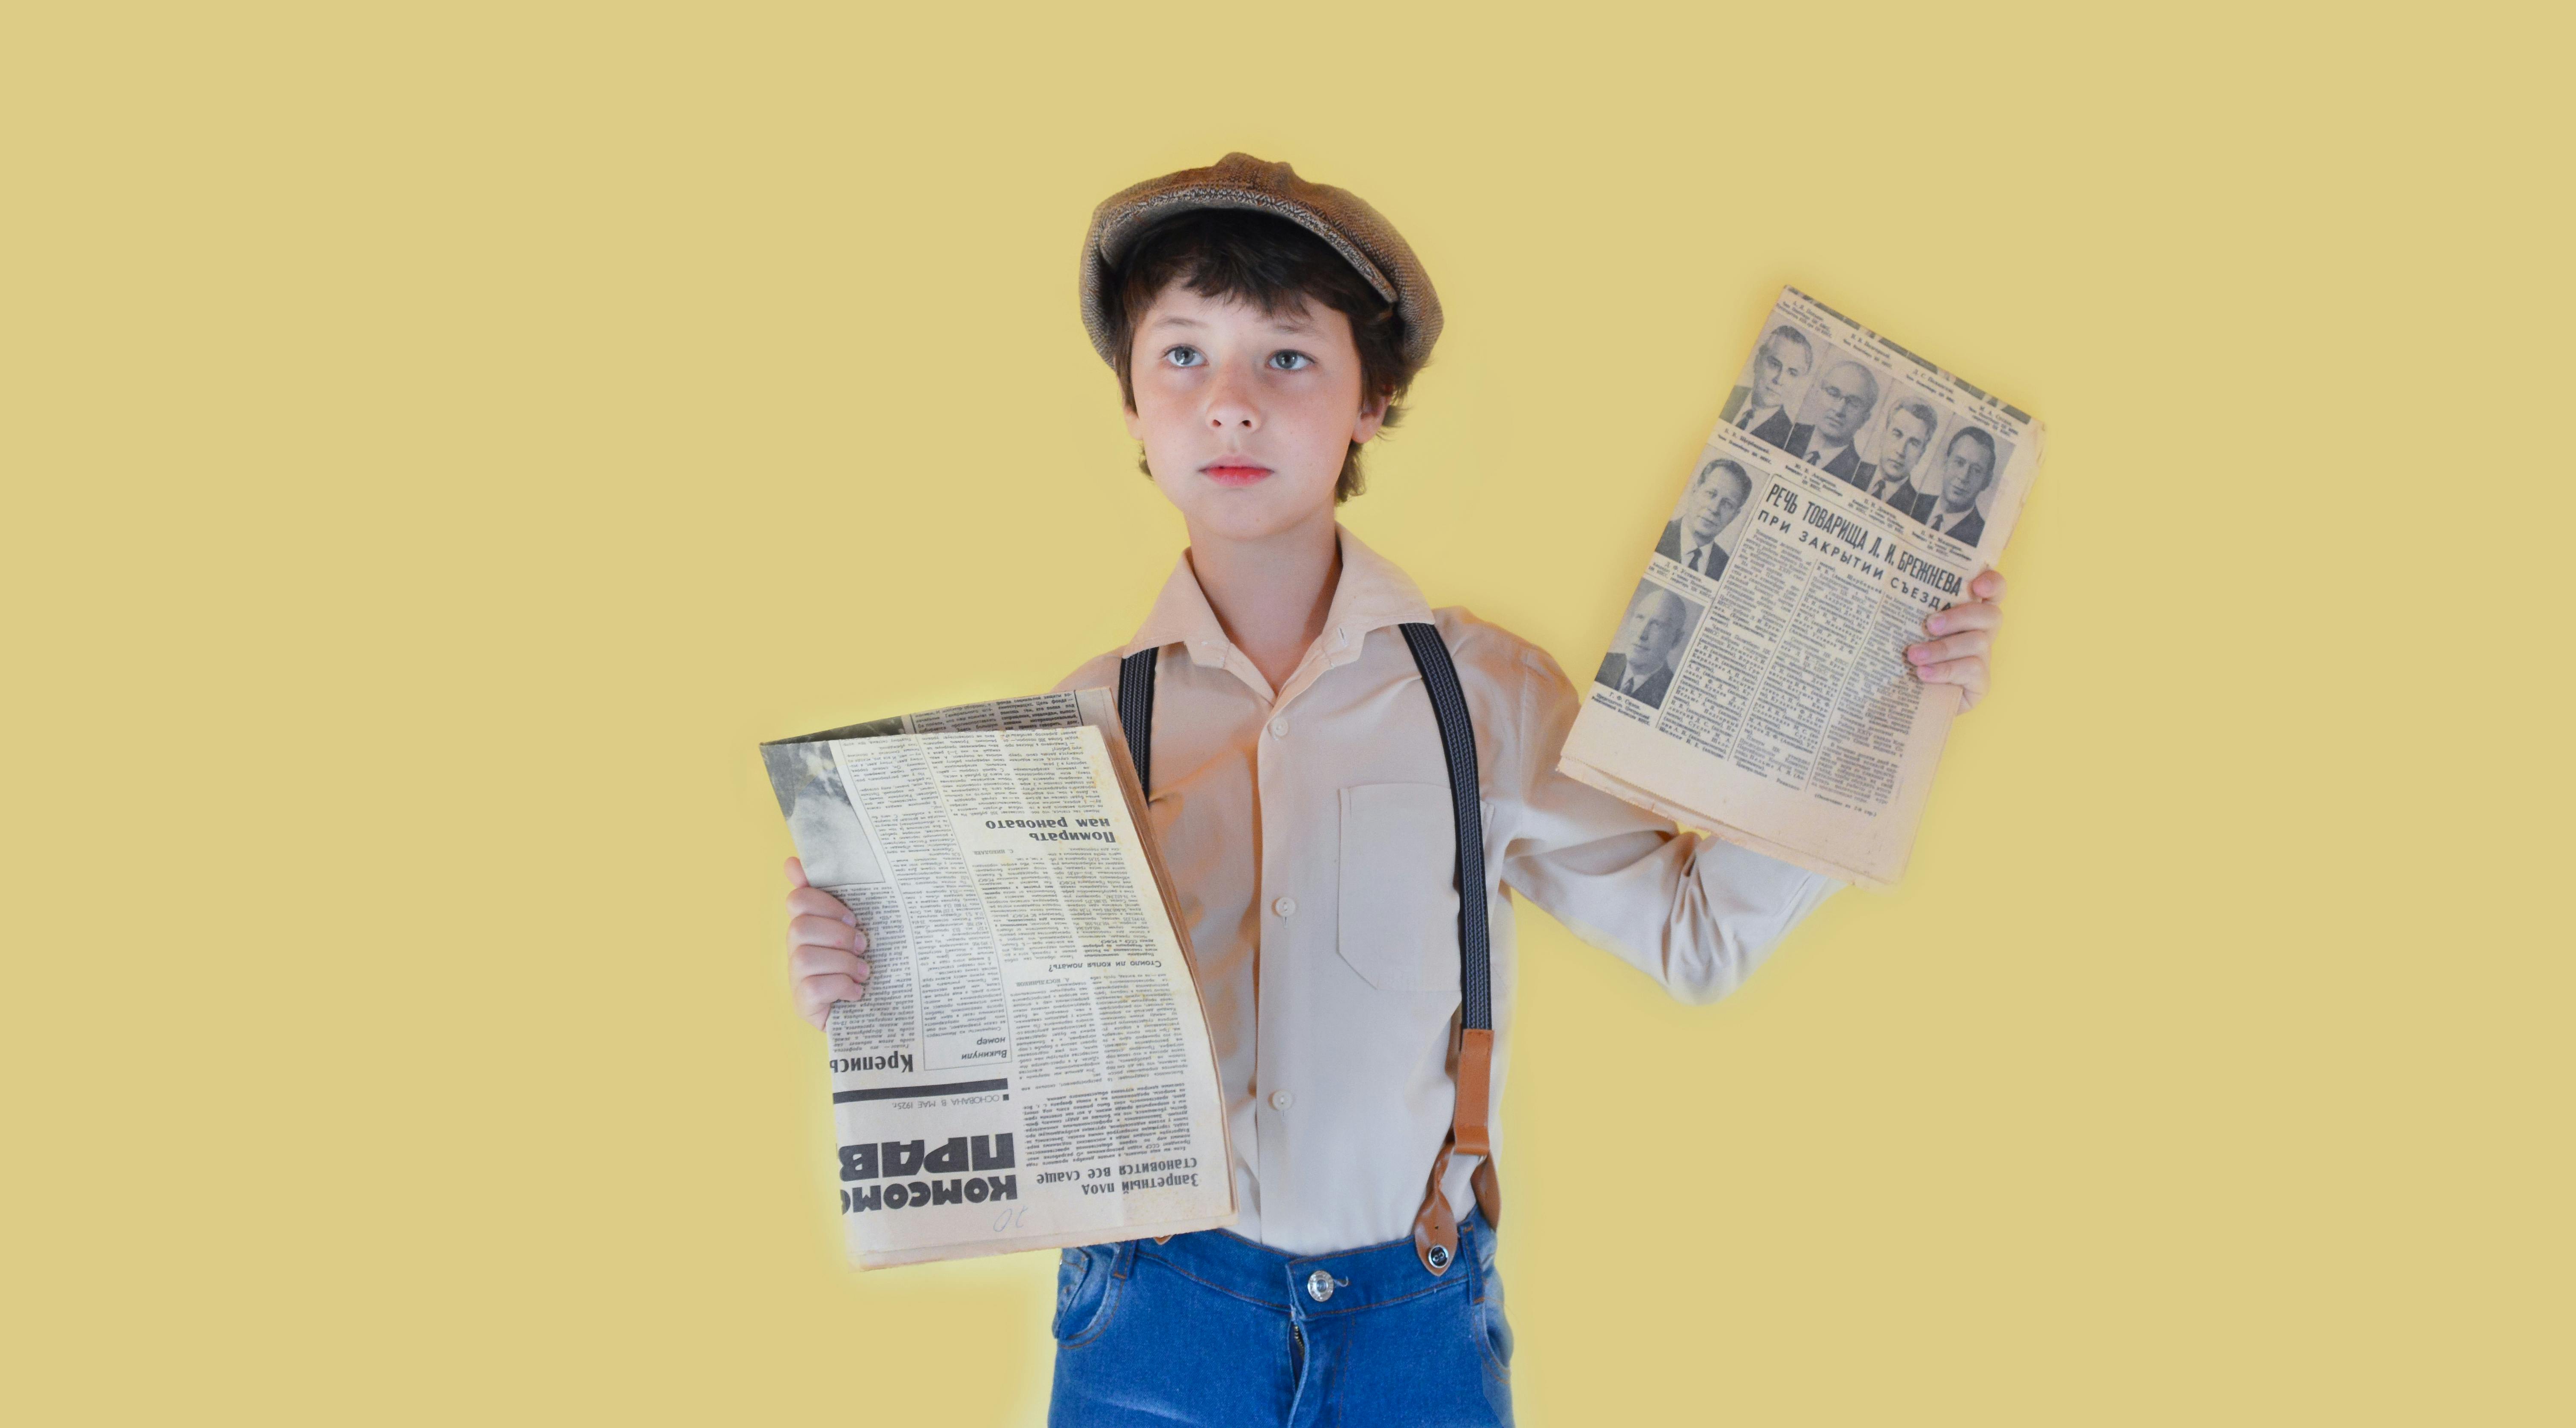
(1903, 438)
(1640, 663)
(1701, 532)
(1775, 377)
(1969, 460)
(1837, 411)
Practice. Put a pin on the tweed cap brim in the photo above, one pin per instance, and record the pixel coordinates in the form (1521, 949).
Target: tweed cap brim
(1356, 231)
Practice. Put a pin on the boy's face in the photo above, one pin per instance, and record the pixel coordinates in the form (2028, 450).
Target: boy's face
(1246, 415)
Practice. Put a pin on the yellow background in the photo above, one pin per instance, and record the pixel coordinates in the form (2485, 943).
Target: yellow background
(437, 447)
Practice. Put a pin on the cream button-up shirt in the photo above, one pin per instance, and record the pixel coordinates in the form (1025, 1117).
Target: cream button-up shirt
(1309, 830)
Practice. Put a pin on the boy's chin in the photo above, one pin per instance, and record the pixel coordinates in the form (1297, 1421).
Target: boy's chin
(1274, 505)
(1252, 520)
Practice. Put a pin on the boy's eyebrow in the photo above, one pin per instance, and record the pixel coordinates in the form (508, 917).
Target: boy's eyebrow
(1299, 321)
(1279, 322)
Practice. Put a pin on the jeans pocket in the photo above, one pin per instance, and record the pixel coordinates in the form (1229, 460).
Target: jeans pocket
(1492, 1330)
(1494, 1336)
(1084, 1288)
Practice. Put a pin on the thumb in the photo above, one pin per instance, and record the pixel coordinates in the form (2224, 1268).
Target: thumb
(796, 875)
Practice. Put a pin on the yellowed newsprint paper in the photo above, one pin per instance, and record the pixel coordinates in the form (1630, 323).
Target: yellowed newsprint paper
(1757, 685)
(1030, 1066)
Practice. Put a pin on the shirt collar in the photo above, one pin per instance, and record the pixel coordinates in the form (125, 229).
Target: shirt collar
(1371, 594)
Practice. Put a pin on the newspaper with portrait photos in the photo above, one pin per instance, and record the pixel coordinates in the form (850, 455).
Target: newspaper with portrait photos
(1757, 686)
(1029, 1067)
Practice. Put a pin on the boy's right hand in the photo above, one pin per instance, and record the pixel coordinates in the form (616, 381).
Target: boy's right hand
(823, 946)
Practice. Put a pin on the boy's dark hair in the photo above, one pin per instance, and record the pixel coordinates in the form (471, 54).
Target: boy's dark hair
(1276, 266)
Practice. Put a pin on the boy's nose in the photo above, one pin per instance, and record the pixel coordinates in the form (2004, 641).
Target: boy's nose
(1229, 409)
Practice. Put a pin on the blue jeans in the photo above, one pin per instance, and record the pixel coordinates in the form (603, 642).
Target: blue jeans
(1213, 1329)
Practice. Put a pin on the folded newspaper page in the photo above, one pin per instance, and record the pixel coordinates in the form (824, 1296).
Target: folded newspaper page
(1030, 1066)
(1757, 686)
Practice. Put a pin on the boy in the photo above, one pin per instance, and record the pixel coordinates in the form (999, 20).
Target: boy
(1286, 697)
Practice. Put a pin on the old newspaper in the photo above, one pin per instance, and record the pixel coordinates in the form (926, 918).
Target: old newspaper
(1757, 686)
(1030, 1066)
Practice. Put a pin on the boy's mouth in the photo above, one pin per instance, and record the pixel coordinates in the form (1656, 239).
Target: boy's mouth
(1233, 472)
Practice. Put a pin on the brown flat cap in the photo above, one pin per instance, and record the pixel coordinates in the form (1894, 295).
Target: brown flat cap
(1339, 217)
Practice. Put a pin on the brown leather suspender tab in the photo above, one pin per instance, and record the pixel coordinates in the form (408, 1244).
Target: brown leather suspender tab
(1435, 1227)
(1475, 1081)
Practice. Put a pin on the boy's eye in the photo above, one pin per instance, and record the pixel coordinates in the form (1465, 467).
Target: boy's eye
(1290, 361)
(1185, 357)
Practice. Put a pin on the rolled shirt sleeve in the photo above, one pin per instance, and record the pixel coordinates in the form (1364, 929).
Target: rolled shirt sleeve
(1697, 914)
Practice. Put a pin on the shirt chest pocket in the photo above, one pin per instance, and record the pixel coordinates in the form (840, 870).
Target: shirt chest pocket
(1399, 912)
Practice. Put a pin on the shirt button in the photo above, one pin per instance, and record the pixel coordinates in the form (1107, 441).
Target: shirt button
(1279, 727)
(1285, 907)
(1281, 1100)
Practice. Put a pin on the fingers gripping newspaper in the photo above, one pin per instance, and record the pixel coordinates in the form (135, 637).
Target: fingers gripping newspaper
(1029, 1067)
(1758, 686)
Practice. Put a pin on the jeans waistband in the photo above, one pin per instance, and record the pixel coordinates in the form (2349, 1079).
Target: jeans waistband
(1352, 1280)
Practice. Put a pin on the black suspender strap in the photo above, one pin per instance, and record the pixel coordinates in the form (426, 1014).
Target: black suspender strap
(1435, 1229)
(1458, 741)
(1136, 712)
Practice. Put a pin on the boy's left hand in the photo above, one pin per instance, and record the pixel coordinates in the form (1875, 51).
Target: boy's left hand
(1967, 632)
